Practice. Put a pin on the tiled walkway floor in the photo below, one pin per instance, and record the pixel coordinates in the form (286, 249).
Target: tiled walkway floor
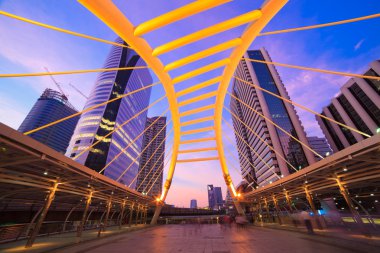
(215, 239)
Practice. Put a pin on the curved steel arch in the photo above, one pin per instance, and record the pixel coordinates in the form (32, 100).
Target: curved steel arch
(257, 20)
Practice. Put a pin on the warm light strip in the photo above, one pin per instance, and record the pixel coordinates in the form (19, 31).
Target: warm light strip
(321, 25)
(199, 130)
(197, 110)
(197, 140)
(207, 32)
(199, 86)
(197, 98)
(117, 128)
(185, 151)
(273, 123)
(200, 71)
(176, 15)
(89, 109)
(70, 72)
(314, 69)
(198, 159)
(195, 121)
(301, 106)
(261, 139)
(60, 29)
(203, 54)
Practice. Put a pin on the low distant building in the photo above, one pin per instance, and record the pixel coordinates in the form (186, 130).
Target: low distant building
(193, 203)
(357, 106)
(320, 145)
(51, 106)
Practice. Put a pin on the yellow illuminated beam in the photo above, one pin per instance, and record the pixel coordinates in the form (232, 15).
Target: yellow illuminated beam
(207, 32)
(195, 121)
(198, 159)
(70, 72)
(276, 125)
(60, 29)
(198, 140)
(108, 12)
(202, 54)
(199, 86)
(202, 70)
(89, 109)
(186, 151)
(199, 130)
(302, 106)
(314, 69)
(176, 15)
(197, 98)
(268, 11)
(197, 110)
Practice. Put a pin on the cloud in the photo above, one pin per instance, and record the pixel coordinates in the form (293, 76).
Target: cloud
(359, 44)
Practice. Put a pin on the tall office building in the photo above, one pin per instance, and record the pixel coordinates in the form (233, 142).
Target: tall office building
(357, 106)
(95, 124)
(215, 198)
(193, 203)
(51, 106)
(253, 155)
(150, 175)
(320, 146)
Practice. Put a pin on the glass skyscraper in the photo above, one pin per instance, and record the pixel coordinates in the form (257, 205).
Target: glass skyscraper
(51, 106)
(215, 198)
(260, 164)
(96, 124)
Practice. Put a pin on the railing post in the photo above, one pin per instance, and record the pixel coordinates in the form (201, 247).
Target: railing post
(275, 203)
(351, 206)
(122, 214)
(41, 218)
(130, 215)
(83, 221)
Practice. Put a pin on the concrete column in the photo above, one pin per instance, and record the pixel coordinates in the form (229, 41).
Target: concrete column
(130, 216)
(313, 209)
(145, 215)
(156, 213)
(275, 203)
(288, 201)
(41, 218)
(83, 221)
(122, 214)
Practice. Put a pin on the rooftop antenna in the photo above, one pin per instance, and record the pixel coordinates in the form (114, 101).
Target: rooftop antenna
(56, 83)
(75, 88)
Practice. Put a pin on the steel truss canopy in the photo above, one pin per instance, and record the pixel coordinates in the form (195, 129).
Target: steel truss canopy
(29, 169)
(355, 167)
(254, 21)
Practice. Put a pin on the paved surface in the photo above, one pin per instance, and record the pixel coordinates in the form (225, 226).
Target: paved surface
(217, 239)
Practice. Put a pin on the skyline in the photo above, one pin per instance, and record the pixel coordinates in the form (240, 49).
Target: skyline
(357, 52)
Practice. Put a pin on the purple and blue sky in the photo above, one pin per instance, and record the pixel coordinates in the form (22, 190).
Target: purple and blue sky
(27, 48)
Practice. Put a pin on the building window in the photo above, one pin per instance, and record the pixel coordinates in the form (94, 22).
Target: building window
(72, 154)
(77, 141)
(346, 132)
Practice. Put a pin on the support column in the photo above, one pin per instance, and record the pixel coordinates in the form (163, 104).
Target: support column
(130, 215)
(277, 209)
(83, 221)
(354, 212)
(36, 229)
(109, 205)
(266, 207)
(145, 215)
(137, 215)
(157, 212)
(260, 211)
(287, 197)
(309, 198)
(122, 214)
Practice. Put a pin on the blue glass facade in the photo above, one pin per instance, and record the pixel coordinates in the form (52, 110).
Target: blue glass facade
(96, 124)
(279, 114)
(50, 107)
